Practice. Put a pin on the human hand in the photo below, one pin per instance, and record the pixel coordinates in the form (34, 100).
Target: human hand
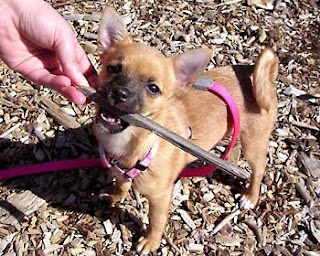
(38, 43)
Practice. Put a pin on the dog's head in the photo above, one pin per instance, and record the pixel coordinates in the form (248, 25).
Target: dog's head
(136, 78)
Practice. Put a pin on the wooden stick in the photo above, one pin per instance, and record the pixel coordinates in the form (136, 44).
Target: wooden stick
(225, 221)
(182, 143)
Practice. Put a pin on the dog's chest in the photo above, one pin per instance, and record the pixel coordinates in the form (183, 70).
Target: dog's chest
(117, 144)
(128, 146)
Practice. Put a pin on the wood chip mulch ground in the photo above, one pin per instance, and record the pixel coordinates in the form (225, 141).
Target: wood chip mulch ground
(61, 214)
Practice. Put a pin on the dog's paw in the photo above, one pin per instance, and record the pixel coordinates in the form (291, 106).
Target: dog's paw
(147, 245)
(246, 203)
(111, 198)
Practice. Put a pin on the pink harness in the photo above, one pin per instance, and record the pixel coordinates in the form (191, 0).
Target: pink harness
(203, 84)
(129, 175)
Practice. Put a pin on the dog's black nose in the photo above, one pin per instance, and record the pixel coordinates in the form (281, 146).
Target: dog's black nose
(120, 94)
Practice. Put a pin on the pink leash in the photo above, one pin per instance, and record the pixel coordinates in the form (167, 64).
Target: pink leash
(203, 83)
(50, 167)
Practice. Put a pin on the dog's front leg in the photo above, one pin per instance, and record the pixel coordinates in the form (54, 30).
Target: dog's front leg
(119, 190)
(158, 217)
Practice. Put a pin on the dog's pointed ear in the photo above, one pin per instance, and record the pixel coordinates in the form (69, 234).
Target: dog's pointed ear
(112, 30)
(190, 65)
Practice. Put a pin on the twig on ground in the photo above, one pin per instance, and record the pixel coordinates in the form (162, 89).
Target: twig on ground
(225, 221)
(256, 230)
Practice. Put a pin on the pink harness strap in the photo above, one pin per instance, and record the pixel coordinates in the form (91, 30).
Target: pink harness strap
(206, 84)
(203, 83)
(133, 172)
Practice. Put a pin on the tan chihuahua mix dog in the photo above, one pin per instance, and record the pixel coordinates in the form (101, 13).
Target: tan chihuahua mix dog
(137, 78)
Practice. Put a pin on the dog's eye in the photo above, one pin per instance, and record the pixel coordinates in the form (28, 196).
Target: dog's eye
(153, 88)
(114, 69)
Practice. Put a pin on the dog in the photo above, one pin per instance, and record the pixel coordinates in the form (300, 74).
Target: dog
(136, 78)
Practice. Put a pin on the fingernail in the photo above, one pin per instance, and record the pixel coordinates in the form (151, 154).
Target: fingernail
(80, 79)
(84, 81)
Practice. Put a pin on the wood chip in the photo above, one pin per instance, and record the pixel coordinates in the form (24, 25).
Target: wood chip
(19, 205)
(311, 164)
(187, 219)
(256, 230)
(300, 186)
(62, 118)
(229, 240)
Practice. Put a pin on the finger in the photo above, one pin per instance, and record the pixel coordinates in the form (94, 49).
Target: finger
(53, 78)
(84, 63)
(61, 84)
(38, 60)
(66, 52)
(73, 94)
(86, 68)
(35, 69)
(44, 77)
(46, 61)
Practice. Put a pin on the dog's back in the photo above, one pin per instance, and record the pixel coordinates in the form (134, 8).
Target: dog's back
(253, 89)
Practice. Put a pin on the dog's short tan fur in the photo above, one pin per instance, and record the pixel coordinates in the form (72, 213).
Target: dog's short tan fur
(178, 107)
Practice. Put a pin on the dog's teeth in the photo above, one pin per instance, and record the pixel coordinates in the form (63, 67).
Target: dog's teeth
(105, 118)
(111, 120)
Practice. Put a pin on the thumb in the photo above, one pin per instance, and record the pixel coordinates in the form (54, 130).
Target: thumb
(65, 49)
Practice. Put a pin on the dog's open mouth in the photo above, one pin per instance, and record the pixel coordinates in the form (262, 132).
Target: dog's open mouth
(111, 123)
